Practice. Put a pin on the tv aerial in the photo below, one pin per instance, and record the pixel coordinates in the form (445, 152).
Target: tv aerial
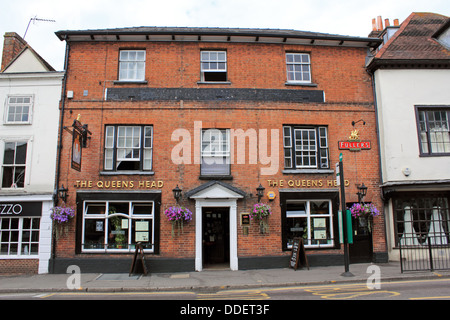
(34, 21)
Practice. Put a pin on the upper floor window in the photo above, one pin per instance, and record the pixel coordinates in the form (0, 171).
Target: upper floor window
(298, 67)
(305, 147)
(13, 168)
(214, 66)
(132, 65)
(215, 152)
(434, 133)
(128, 148)
(18, 109)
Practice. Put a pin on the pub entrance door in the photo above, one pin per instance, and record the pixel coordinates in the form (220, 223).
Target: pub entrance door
(361, 250)
(216, 237)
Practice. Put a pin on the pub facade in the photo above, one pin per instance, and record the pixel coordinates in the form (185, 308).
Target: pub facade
(214, 126)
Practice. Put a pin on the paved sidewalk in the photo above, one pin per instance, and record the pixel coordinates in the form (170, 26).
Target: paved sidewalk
(208, 280)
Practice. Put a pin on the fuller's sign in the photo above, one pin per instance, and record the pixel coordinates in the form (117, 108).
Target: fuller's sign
(354, 144)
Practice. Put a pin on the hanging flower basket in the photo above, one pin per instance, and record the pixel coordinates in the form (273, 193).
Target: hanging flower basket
(364, 210)
(177, 215)
(365, 213)
(62, 215)
(261, 211)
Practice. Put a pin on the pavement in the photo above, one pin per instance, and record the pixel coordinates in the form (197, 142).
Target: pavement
(210, 280)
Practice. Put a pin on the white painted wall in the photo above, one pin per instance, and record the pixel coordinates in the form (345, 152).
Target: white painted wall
(398, 92)
(42, 136)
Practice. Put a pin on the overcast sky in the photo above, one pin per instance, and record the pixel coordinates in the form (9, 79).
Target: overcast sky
(345, 17)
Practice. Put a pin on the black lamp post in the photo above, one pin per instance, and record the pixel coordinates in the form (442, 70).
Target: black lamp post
(362, 191)
(177, 193)
(260, 192)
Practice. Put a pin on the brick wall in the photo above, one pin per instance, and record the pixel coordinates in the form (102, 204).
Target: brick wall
(19, 266)
(338, 71)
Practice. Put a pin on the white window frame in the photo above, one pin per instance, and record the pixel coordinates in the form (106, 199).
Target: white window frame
(14, 165)
(10, 104)
(106, 220)
(20, 238)
(118, 147)
(216, 152)
(213, 61)
(298, 67)
(132, 65)
(295, 148)
(310, 219)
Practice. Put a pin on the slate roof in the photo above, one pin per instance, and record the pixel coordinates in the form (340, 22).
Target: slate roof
(415, 43)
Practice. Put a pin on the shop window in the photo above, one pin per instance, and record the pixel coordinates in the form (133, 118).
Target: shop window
(305, 147)
(128, 148)
(213, 66)
(298, 66)
(117, 226)
(311, 220)
(421, 220)
(19, 236)
(215, 152)
(434, 130)
(132, 65)
(13, 168)
(18, 109)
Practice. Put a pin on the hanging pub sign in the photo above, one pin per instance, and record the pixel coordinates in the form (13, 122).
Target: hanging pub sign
(79, 140)
(354, 143)
(76, 150)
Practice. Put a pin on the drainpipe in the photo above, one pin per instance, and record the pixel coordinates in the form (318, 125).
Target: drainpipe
(58, 164)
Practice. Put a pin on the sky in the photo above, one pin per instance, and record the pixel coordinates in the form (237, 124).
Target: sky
(345, 17)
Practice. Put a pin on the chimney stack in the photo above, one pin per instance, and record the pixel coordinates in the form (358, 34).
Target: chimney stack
(380, 24)
(13, 44)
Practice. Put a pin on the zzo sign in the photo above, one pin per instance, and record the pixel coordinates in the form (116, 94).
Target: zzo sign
(23, 209)
(9, 208)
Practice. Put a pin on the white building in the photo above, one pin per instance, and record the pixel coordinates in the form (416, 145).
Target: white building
(30, 91)
(412, 86)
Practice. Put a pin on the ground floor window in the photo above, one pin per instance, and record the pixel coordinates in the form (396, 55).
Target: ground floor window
(19, 236)
(422, 219)
(311, 220)
(116, 226)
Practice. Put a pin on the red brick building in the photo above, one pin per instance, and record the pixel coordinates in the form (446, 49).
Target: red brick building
(216, 112)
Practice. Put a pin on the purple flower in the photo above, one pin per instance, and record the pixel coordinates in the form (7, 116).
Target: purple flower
(62, 214)
(178, 213)
(260, 210)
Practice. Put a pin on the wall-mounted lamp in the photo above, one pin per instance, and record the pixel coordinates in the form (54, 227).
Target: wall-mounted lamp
(362, 191)
(353, 122)
(260, 192)
(177, 193)
(62, 193)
